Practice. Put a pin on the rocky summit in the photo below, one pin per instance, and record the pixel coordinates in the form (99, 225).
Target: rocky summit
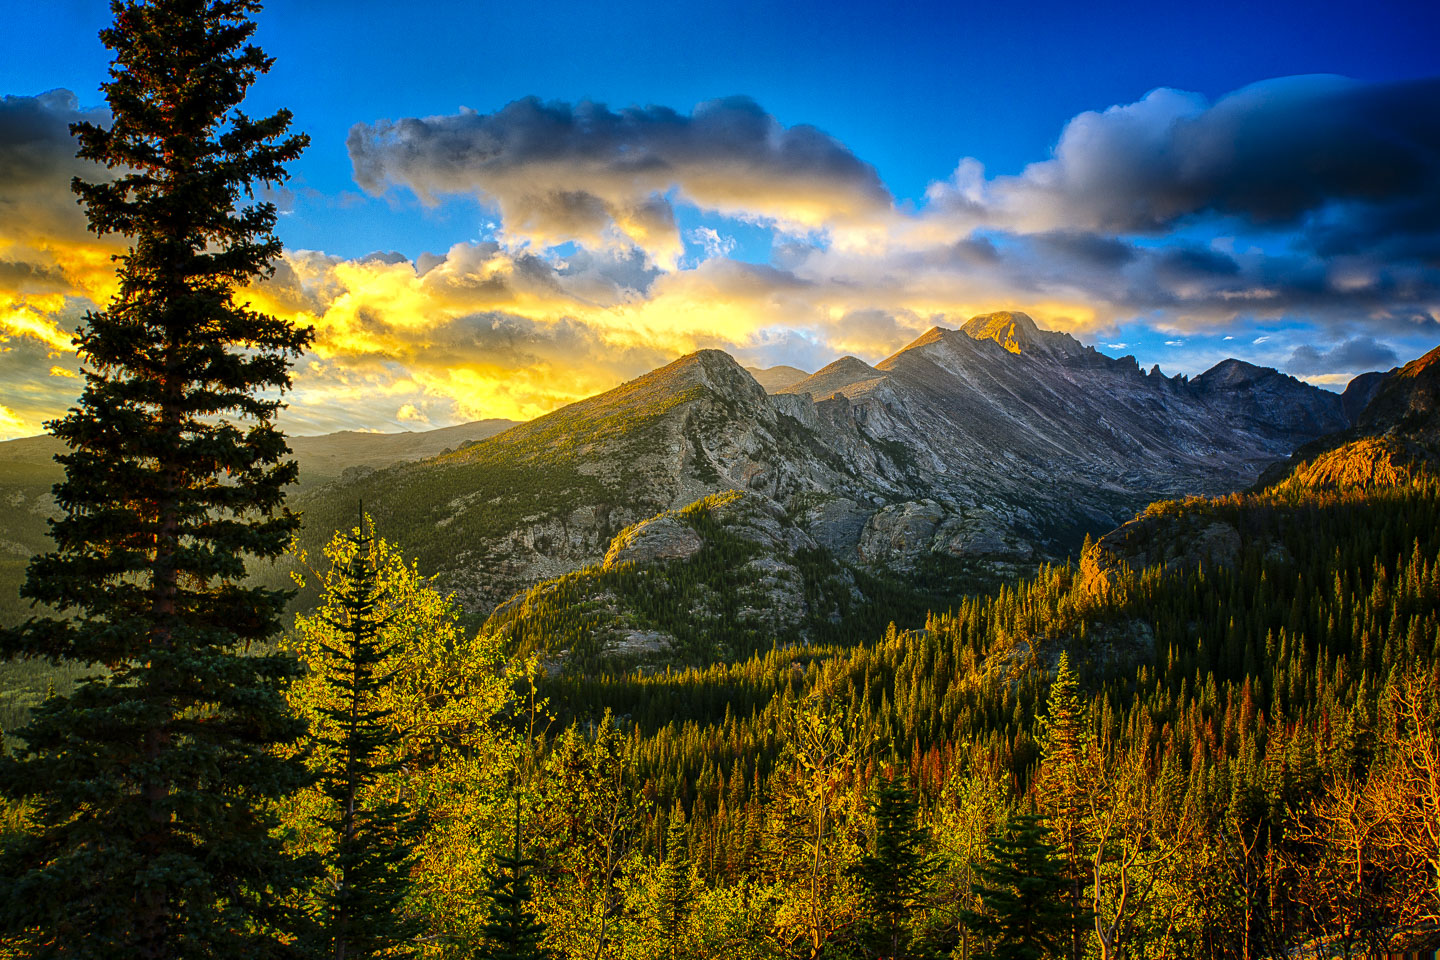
(999, 444)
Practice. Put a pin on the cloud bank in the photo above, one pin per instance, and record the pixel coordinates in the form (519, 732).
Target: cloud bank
(1295, 221)
(559, 172)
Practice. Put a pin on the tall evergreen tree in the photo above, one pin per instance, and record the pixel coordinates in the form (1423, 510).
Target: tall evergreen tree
(1070, 760)
(1020, 916)
(894, 872)
(151, 782)
(373, 842)
(512, 931)
(676, 892)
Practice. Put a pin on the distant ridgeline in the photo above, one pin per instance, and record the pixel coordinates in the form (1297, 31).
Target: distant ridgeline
(967, 458)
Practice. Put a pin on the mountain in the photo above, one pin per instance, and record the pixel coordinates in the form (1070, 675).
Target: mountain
(837, 377)
(985, 449)
(1391, 447)
(326, 457)
(1360, 391)
(776, 379)
(1394, 438)
(322, 458)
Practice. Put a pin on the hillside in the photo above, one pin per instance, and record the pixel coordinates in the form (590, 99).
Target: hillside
(28, 471)
(776, 379)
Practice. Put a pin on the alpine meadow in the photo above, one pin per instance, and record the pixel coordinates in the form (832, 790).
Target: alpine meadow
(534, 529)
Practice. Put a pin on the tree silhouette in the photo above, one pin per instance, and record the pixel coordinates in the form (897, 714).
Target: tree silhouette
(152, 781)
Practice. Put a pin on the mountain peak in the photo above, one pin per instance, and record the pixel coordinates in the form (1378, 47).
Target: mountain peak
(1015, 332)
(1232, 373)
(715, 369)
(830, 379)
(1408, 399)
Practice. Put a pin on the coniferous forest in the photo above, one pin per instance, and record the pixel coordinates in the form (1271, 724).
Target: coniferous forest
(1156, 749)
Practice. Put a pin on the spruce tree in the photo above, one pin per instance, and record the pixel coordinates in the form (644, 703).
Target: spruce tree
(373, 842)
(894, 872)
(512, 931)
(151, 782)
(1021, 916)
(676, 892)
(1070, 759)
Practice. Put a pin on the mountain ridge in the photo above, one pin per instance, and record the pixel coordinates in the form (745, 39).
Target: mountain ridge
(956, 449)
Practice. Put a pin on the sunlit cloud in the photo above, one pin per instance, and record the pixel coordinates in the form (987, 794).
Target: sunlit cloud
(559, 172)
(1170, 226)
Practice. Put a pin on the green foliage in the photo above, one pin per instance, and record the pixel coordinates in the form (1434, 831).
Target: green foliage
(1064, 790)
(373, 836)
(677, 892)
(512, 931)
(149, 783)
(1020, 886)
(441, 745)
(1200, 713)
(894, 873)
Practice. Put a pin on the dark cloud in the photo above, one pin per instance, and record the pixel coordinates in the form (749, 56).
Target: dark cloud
(1183, 264)
(1084, 249)
(25, 277)
(1356, 355)
(1268, 154)
(384, 256)
(558, 171)
(37, 162)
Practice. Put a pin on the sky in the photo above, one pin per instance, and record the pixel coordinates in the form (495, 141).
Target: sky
(508, 207)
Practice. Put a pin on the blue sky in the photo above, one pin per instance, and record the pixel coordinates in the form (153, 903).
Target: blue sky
(742, 247)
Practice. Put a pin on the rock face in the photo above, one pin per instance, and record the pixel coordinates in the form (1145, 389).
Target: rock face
(718, 579)
(1359, 392)
(998, 442)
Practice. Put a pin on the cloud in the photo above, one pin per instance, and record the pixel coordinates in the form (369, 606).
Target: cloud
(1356, 355)
(1268, 154)
(559, 172)
(711, 241)
(51, 267)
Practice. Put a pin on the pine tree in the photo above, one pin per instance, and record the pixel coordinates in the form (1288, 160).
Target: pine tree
(1069, 753)
(676, 892)
(374, 843)
(1021, 916)
(151, 782)
(512, 931)
(894, 872)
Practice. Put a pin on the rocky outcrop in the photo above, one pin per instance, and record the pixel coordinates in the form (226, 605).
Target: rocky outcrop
(665, 537)
(895, 535)
(738, 555)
